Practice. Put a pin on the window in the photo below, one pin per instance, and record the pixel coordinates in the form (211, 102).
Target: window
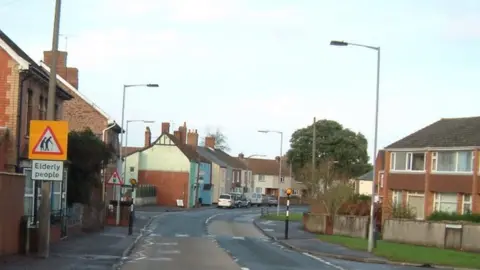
(261, 178)
(452, 161)
(132, 169)
(259, 190)
(397, 198)
(407, 161)
(381, 180)
(282, 179)
(29, 109)
(445, 202)
(467, 203)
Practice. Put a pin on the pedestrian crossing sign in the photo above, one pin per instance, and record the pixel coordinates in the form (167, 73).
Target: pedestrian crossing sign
(48, 140)
(115, 179)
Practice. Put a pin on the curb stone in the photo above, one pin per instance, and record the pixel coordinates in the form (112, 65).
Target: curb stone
(129, 249)
(350, 258)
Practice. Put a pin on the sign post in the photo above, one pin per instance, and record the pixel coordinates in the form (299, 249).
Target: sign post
(48, 142)
(116, 180)
(289, 192)
(133, 183)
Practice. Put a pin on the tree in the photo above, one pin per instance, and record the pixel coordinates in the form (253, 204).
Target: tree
(317, 180)
(87, 154)
(345, 149)
(220, 140)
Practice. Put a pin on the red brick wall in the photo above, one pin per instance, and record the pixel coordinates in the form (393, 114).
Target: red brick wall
(12, 188)
(171, 186)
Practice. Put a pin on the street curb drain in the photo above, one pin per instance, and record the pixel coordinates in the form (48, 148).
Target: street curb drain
(350, 258)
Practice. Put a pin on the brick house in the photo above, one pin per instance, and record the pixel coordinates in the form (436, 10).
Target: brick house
(23, 97)
(433, 169)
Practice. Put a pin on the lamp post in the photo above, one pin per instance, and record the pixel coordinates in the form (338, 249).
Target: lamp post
(371, 236)
(280, 166)
(251, 176)
(125, 87)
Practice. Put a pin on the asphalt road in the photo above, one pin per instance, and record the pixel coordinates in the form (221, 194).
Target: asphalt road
(223, 239)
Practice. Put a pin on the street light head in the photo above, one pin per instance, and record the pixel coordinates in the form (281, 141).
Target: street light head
(152, 85)
(338, 43)
(263, 131)
(148, 122)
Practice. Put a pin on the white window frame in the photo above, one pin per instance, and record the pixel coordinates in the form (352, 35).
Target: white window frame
(261, 178)
(418, 195)
(466, 200)
(282, 179)
(437, 199)
(435, 162)
(397, 198)
(408, 161)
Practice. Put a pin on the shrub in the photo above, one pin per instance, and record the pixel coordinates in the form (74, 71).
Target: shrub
(447, 216)
(403, 212)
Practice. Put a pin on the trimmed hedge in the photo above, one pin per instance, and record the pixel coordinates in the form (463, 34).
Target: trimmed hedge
(446, 216)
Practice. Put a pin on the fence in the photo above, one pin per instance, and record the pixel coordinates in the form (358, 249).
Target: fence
(145, 195)
(449, 235)
(12, 189)
(354, 226)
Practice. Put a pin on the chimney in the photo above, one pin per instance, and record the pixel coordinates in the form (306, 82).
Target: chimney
(241, 156)
(192, 138)
(70, 74)
(148, 137)
(177, 135)
(183, 132)
(210, 142)
(166, 127)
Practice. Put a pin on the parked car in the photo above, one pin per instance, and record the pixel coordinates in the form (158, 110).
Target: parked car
(272, 201)
(243, 201)
(255, 198)
(226, 201)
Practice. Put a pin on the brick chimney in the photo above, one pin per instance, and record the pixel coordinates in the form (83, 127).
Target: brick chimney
(192, 138)
(70, 74)
(148, 137)
(177, 135)
(183, 132)
(210, 142)
(166, 127)
(241, 155)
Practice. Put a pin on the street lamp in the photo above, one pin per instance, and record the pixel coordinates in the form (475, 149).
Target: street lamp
(280, 166)
(125, 86)
(251, 175)
(371, 237)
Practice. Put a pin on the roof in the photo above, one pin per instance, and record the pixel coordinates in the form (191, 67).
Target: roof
(366, 177)
(27, 63)
(265, 166)
(186, 149)
(128, 150)
(209, 154)
(78, 93)
(231, 161)
(447, 132)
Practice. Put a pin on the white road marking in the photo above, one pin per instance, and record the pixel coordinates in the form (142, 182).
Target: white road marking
(268, 230)
(239, 237)
(168, 251)
(167, 244)
(213, 216)
(266, 222)
(181, 235)
(244, 268)
(323, 261)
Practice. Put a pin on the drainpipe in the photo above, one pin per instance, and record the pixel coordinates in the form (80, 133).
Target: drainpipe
(26, 75)
(112, 125)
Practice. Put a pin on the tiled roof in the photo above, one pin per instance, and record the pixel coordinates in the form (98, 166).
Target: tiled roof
(231, 161)
(130, 150)
(266, 166)
(210, 155)
(367, 177)
(447, 132)
(33, 66)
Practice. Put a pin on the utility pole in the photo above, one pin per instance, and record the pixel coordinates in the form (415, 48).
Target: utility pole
(44, 224)
(314, 145)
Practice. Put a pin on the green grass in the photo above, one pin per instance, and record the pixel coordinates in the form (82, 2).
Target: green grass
(409, 253)
(281, 217)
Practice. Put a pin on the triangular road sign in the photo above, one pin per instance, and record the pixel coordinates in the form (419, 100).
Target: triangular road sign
(48, 144)
(115, 179)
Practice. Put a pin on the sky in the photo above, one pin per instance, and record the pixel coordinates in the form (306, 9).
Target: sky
(244, 65)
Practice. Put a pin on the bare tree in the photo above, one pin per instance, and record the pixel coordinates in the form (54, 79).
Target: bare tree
(220, 140)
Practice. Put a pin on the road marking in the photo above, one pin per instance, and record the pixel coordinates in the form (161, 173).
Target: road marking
(268, 230)
(239, 237)
(168, 251)
(167, 244)
(244, 268)
(266, 222)
(213, 216)
(323, 261)
(181, 235)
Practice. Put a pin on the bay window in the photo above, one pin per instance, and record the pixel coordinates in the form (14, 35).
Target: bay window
(445, 202)
(407, 161)
(452, 161)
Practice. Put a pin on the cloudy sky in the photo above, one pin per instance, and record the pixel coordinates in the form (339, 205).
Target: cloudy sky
(244, 65)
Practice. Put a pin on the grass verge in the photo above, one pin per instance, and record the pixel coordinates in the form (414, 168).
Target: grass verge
(281, 217)
(409, 253)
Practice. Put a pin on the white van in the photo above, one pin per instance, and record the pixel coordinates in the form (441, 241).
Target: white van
(255, 198)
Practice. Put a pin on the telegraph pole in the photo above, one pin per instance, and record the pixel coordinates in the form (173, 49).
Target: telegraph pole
(314, 145)
(44, 224)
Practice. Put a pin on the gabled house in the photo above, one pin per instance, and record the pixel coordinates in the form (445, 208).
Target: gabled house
(219, 172)
(241, 175)
(433, 169)
(172, 166)
(363, 184)
(265, 174)
(23, 97)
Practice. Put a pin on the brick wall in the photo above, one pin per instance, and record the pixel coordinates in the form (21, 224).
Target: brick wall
(171, 186)
(12, 187)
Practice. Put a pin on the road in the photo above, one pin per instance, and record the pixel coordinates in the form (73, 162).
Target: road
(225, 240)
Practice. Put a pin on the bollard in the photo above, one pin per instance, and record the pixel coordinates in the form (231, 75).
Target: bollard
(289, 191)
(130, 220)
